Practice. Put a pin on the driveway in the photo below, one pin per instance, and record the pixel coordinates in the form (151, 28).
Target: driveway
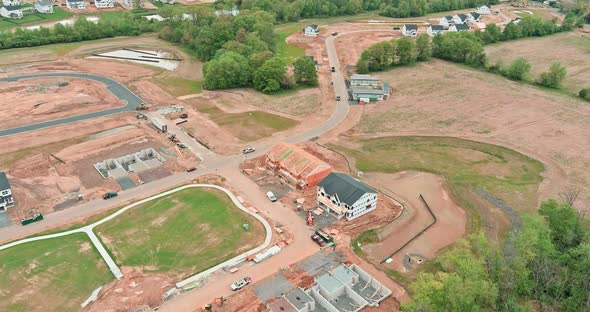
(117, 89)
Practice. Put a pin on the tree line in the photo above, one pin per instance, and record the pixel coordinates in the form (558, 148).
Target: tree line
(81, 30)
(238, 51)
(544, 266)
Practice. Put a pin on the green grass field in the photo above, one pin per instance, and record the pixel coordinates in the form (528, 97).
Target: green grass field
(286, 51)
(465, 165)
(258, 124)
(50, 275)
(29, 19)
(181, 234)
(179, 86)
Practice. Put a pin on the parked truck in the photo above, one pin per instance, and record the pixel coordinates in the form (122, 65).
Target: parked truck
(34, 218)
(161, 126)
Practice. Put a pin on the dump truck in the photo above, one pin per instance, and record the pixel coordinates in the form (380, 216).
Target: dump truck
(34, 218)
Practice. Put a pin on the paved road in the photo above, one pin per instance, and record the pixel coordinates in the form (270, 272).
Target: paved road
(117, 89)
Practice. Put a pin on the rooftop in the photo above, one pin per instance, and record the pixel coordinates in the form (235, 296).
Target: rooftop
(344, 274)
(4, 184)
(281, 305)
(362, 77)
(12, 7)
(329, 282)
(462, 27)
(411, 26)
(366, 90)
(348, 189)
(437, 27)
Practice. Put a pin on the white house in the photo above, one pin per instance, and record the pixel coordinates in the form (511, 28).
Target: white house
(445, 21)
(474, 16)
(410, 30)
(75, 4)
(11, 2)
(461, 19)
(6, 199)
(346, 196)
(483, 10)
(44, 6)
(103, 4)
(11, 11)
(434, 30)
(311, 31)
(459, 27)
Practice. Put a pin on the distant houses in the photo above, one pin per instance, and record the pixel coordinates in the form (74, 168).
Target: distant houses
(445, 21)
(410, 30)
(459, 27)
(44, 6)
(434, 30)
(366, 88)
(11, 11)
(104, 4)
(75, 4)
(483, 10)
(311, 31)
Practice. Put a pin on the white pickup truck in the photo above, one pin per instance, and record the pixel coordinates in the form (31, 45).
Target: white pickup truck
(237, 285)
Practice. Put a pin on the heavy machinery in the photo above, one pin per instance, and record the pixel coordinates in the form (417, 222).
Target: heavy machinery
(34, 218)
(309, 218)
(142, 106)
(172, 137)
(207, 308)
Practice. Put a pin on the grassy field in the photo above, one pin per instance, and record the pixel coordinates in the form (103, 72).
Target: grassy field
(181, 234)
(58, 14)
(571, 49)
(288, 52)
(179, 86)
(246, 126)
(465, 165)
(50, 275)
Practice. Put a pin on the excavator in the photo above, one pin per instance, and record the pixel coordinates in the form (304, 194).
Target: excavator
(209, 307)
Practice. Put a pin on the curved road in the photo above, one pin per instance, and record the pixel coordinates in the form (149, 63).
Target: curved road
(117, 89)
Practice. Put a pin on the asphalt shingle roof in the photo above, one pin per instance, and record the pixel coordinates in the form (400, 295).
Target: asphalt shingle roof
(348, 189)
(4, 184)
(411, 27)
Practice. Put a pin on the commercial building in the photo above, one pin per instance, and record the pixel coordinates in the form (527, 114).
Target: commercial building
(366, 88)
(6, 199)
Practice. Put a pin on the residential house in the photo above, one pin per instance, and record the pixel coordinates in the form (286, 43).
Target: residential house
(366, 88)
(346, 196)
(6, 199)
(298, 168)
(516, 20)
(311, 31)
(459, 27)
(11, 2)
(103, 4)
(434, 30)
(75, 4)
(11, 11)
(410, 30)
(446, 21)
(483, 10)
(460, 19)
(233, 12)
(474, 16)
(44, 6)
(130, 4)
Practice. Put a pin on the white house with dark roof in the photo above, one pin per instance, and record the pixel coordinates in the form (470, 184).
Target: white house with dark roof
(445, 21)
(44, 6)
(11, 11)
(460, 19)
(104, 4)
(346, 196)
(410, 30)
(459, 27)
(11, 2)
(366, 88)
(6, 199)
(311, 31)
(75, 4)
(483, 10)
(474, 16)
(434, 30)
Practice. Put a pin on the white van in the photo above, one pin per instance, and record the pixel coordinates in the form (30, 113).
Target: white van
(271, 196)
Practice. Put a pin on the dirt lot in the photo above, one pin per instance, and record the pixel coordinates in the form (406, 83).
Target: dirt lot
(546, 126)
(350, 46)
(570, 49)
(49, 98)
(40, 180)
(450, 226)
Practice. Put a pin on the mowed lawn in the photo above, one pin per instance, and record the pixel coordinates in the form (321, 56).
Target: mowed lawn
(36, 18)
(465, 164)
(570, 49)
(286, 51)
(181, 234)
(50, 275)
(179, 86)
(246, 126)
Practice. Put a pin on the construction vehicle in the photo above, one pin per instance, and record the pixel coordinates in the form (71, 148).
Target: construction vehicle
(207, 308)
(142, 106)
(108, 195)
(140, 116)
(34, 218)
(239, 284)
(172, 137)
(184, 116)
(309, 218)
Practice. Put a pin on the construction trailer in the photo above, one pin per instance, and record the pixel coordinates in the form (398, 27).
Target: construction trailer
(160, 125)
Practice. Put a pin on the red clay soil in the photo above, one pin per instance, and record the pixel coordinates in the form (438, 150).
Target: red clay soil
(449, 227)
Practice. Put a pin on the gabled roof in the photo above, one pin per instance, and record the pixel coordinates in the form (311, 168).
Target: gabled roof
(44, 2)
(347, 188)
(363, 77)
(449, 18)
(12, 7)
(411, 27)
(437, 27)
(462, 16)
(462, 27)
(475, 15)
(483, 6)
(4, 184)
(313, 26)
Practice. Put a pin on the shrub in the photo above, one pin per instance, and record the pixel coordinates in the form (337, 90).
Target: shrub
(518, 69)
(585, 94)
(553, 77)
